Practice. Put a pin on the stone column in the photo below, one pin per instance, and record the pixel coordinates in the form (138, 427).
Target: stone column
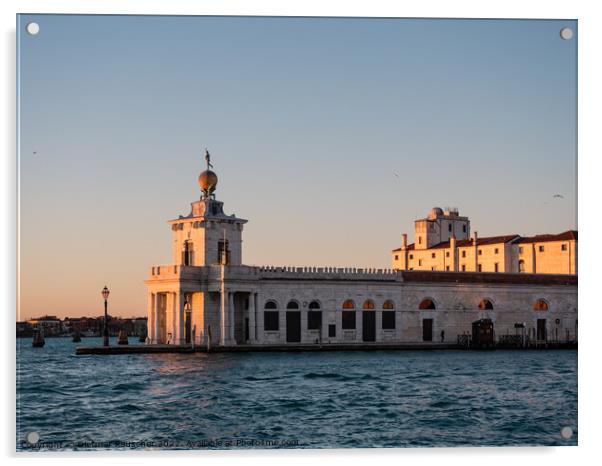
(223, 318)
(232, 321)
(259, 322)
(157, 311)
(378, 324)
(150, 314)
(178, 309)
(251, 317)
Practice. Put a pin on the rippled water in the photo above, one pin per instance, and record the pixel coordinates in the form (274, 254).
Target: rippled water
(307, 400)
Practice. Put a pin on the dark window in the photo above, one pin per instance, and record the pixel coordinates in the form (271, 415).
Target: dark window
(496, 251)
(520, 249)
(420, 240)
(447, 268)
(463, 253)
(449, 227)
(292, 305)
(388, 304)
(419, 261)
(496, 267)
(349, 320)
(464, 228)
(314, 320)
(270, 320)
(463, 268)
(432, 255)
(480, 267)
(447, 254)
(563, 247)
(411, 256)
(271, 305)
(540, 248)
(521, 265)
(480, 252)
(396, 257)
(314, 305)
(332, 331)
(187, 253)
(222, 246)
(389, 320)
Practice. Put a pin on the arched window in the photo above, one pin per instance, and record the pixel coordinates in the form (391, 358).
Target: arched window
(314, 316)
(349, 304)
(292, 305)
(388, 315)
(541, 305)
(271, 305)
(485, 304)
(368, 304)
(521, 266)
(427, 304)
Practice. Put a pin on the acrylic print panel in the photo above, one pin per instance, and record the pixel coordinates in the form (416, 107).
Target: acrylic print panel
(244, 232)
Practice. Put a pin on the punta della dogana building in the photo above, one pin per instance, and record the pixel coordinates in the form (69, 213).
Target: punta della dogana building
(446, 287)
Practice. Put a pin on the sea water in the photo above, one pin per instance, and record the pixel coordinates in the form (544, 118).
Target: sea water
(292, 400)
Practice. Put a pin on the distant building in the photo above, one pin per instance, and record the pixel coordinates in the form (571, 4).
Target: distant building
(51, 325)
(443, 242)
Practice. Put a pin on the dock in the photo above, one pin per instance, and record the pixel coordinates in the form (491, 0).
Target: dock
(186, 349)
(150, 349)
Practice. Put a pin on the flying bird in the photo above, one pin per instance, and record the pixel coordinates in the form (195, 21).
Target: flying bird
(396, 174)
(560, 196)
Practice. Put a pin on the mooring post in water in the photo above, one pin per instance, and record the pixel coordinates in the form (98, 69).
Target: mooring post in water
(208, 338)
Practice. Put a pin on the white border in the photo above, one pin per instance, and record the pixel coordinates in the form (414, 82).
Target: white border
(590, 77)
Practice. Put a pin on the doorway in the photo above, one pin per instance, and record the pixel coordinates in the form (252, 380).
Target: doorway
(541, 330)
(427, 329)
(368, 326)
(293, 326)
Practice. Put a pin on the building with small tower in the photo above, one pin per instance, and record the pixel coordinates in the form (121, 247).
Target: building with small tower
(438, 287)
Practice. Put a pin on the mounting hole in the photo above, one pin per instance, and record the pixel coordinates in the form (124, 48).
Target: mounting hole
(32, 28)
(566, 433)
(32, 438)
(566, 33)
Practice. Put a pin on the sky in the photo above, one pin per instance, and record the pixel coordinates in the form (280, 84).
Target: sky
(330, 135)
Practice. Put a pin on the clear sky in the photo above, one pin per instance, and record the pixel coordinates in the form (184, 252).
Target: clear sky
(330, 135)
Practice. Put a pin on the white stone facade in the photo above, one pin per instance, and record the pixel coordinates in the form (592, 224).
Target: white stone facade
(208, 297)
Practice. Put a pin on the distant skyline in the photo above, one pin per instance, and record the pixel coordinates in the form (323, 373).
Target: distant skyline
(330, 135)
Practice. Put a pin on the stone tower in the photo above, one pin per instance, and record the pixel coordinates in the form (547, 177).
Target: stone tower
(207, 235)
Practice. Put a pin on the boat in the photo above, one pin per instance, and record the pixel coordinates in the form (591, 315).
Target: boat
(38, 339)
(123, 338)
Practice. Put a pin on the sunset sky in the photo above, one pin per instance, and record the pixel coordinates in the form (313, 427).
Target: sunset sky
(329, 135)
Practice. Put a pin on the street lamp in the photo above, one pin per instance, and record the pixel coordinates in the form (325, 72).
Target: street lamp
(105, 295)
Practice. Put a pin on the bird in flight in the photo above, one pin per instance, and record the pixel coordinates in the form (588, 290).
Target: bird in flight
(558, 196)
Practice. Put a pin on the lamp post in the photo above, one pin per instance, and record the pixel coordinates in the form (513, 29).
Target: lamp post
(105, 295)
